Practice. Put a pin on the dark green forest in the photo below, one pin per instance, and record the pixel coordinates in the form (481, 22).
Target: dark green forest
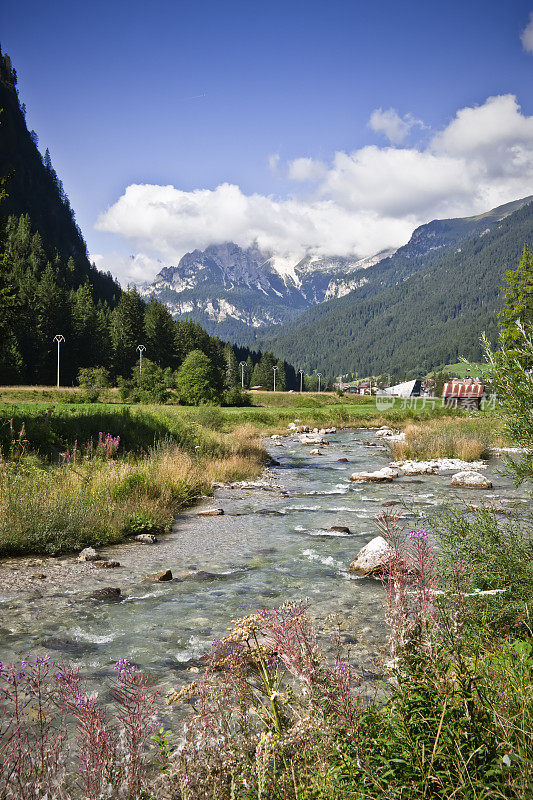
(414, 324)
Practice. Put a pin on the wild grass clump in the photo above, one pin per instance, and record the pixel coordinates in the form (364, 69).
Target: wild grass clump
(92, 502)
(466, 438)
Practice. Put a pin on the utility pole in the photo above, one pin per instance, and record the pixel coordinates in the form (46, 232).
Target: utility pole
(140, 349)
(242, 365)
(274, 370)
(319, 375)
(59, 338)
(301, 379)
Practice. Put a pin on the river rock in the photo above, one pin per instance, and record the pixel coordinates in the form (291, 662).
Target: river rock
(109, 593)
(146, 538)
(411, 467)
(166, 575)
(342, 460)
(276, 436)
(315, 453)
(89, 554)
(40, 575)
(472, 480)
(373, 558)
(384, 432)
(312, 438)
(211, 512)
(107, 564)
(340, 529)
(199, 575)
(386, 474)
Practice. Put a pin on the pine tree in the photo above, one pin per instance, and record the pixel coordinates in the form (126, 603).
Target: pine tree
(232, 376)
(518, 296)
(127, 331)
(160, 334)
(248, 372)
(281, 378)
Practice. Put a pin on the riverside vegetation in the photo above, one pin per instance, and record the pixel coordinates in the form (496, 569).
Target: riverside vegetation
(77, 476)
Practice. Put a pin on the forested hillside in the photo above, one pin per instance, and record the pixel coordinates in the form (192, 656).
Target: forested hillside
(48, 286)
(430, 318)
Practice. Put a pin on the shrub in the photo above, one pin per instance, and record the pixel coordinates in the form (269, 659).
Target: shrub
(94, 378)
(198, 381)
(237, 398)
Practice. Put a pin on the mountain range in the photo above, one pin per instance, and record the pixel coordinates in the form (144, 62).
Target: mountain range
(447, 278)
(234, 291)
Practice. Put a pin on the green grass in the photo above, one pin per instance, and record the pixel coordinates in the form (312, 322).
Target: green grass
(460, 369)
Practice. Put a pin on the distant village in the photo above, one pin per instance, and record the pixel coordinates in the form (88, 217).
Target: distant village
(465, 393)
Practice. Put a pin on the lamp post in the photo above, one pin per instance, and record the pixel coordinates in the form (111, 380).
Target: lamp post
(58, 338)
(319, 375)
(140, 349)
(242, 365)
(274, 370)
(301, 379)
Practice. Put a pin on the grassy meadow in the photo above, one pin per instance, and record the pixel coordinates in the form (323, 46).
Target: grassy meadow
(76, 474)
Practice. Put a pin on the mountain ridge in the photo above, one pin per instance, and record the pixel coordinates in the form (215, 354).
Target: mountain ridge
(239, 294)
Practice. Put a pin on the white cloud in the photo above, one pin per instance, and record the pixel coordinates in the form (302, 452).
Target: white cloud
(361, 202)
(389, 122)
(527, 35)
(306, 169)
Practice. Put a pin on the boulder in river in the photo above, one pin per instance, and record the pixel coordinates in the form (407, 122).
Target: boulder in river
(146, 538)
(211, 512)
(384, 432)
(107, 564)
(373, 558)
(315, 452)
(340, 529)
(166, 575)
(386, 474)
(471, 479)
(89, 554)
(109, 593)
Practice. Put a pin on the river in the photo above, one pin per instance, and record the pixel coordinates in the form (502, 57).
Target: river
(273, 544)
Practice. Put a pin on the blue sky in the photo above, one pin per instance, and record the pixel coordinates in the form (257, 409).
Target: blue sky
(225, 101)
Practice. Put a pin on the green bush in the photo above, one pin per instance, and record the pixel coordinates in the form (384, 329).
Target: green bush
(198, 381)
(236, 398)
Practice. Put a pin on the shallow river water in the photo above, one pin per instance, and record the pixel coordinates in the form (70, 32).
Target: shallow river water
(272, 545)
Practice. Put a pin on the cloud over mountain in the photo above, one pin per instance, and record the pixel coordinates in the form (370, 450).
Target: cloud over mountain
(359, 203)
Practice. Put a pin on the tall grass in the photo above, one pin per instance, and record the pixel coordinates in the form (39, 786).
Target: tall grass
(465, 438)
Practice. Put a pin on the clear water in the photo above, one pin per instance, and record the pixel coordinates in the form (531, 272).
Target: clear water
(272, 545)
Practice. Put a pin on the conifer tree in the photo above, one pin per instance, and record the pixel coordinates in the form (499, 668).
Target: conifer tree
(127, 331)
(232, 376)
(160, 334)
(518, 296)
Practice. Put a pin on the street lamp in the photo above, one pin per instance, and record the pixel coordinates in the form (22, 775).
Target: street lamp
(301, 379)
(58, 338)
(319, 375)
(274, 370)
(242, 365)
(140, 349)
